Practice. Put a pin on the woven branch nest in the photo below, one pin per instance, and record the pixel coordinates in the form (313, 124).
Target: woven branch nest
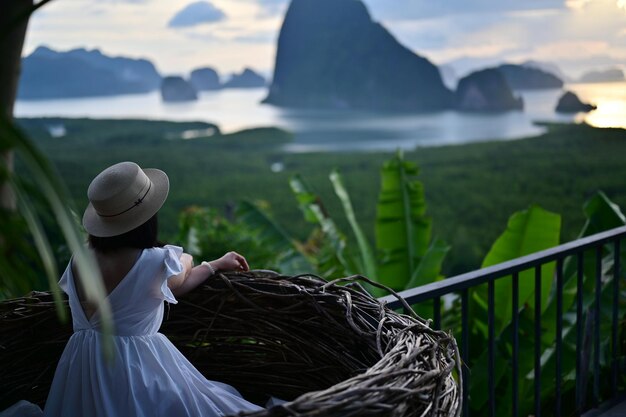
(328, 348)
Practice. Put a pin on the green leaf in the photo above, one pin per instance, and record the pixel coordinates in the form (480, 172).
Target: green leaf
(527, 232)
(311, 206)
(272, 235)
(51, 187)
(429, 268)
(368, 260)
(43, 247)
(602, 214)
(402, 228)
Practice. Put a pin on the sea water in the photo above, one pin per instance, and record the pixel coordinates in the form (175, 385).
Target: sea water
(346, 130)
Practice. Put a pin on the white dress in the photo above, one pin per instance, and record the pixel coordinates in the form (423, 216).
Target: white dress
(148, 375)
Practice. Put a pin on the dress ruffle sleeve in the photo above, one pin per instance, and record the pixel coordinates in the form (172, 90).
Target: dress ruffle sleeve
(173, 267)
(63, 282)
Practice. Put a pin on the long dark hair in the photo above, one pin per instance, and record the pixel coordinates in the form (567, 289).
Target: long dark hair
(142, 237)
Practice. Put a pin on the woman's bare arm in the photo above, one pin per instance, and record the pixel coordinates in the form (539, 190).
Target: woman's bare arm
(192, 276)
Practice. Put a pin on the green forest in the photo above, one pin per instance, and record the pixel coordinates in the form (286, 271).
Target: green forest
(470, 190)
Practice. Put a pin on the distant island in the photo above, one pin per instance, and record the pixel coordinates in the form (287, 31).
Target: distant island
(205, 79)
(175, 88)
(570, 103)
(603, 76)
(79, 73)
(523, 77)
(247, 79)
(50, 74)
(331, 54)
(486, 91)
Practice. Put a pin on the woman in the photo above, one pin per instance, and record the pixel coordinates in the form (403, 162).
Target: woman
(148, 376)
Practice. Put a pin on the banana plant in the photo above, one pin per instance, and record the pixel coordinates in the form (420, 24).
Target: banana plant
(334, 260)
(405, 256)
(290, 254)
(207, 235)
(527, 231)
(601, 215)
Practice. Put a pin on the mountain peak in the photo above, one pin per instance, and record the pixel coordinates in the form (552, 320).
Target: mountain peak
(332, 54)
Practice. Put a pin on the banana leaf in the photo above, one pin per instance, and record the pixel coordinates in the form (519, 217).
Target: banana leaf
(367, 259)
(601, 215)
(311, 206)
(291, 258)
(527, 232)
(403, 231)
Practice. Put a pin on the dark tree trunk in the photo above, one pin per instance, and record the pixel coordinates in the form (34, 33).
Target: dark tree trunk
(10, 61)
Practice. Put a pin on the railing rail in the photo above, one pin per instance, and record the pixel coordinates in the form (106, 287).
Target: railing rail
(461, 285)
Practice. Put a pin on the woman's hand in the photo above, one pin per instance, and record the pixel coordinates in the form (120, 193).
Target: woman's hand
(191, 276)
(232, 261)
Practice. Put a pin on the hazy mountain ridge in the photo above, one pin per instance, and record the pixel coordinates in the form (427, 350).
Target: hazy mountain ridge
(81, 73)
(522, 77)
(50, 74)
(603, 76)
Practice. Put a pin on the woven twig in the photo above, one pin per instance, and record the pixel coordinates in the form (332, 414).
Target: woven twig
(329, 349)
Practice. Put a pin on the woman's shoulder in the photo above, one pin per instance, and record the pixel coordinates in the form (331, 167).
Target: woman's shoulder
(167, 254)
(171, 250)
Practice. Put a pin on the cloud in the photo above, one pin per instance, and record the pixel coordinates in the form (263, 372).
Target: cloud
(260, 37)
(426, 9)
(270, 8)
(567, 35)
(197, 13)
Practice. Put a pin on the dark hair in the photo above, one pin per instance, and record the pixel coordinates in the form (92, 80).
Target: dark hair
(142, 237)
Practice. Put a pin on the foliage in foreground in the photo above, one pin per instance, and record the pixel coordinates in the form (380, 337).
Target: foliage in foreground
(48, 188)
(405, 231)
(583, 149)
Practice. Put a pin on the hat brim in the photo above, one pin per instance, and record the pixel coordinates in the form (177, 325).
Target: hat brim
(99, 226)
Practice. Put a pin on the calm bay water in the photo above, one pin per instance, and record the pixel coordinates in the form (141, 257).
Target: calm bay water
(322, 130)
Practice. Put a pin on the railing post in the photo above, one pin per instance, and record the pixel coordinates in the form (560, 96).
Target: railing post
(515, 341)
(538, 341)
(580, 395)
(491, 349)
(437, 313)
(559, 333)
(596, 328)
(615, 340)
(465, 349)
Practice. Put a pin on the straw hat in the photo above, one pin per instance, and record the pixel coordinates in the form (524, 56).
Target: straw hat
(123, 197)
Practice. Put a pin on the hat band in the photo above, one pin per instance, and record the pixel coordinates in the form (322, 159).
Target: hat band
(135, 204)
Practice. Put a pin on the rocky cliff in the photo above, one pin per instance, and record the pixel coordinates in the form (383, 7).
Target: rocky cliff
(486, 90)
(247, 79)
(520, 77)
(331, 54)
(570, 103)
(204, 79)
(175, 88)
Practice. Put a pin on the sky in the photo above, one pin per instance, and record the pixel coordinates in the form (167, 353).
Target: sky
(229, 35)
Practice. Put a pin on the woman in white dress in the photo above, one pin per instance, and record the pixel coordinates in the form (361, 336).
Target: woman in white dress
(148, 376)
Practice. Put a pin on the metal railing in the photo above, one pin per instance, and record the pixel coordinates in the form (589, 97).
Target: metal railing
(596, 246)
